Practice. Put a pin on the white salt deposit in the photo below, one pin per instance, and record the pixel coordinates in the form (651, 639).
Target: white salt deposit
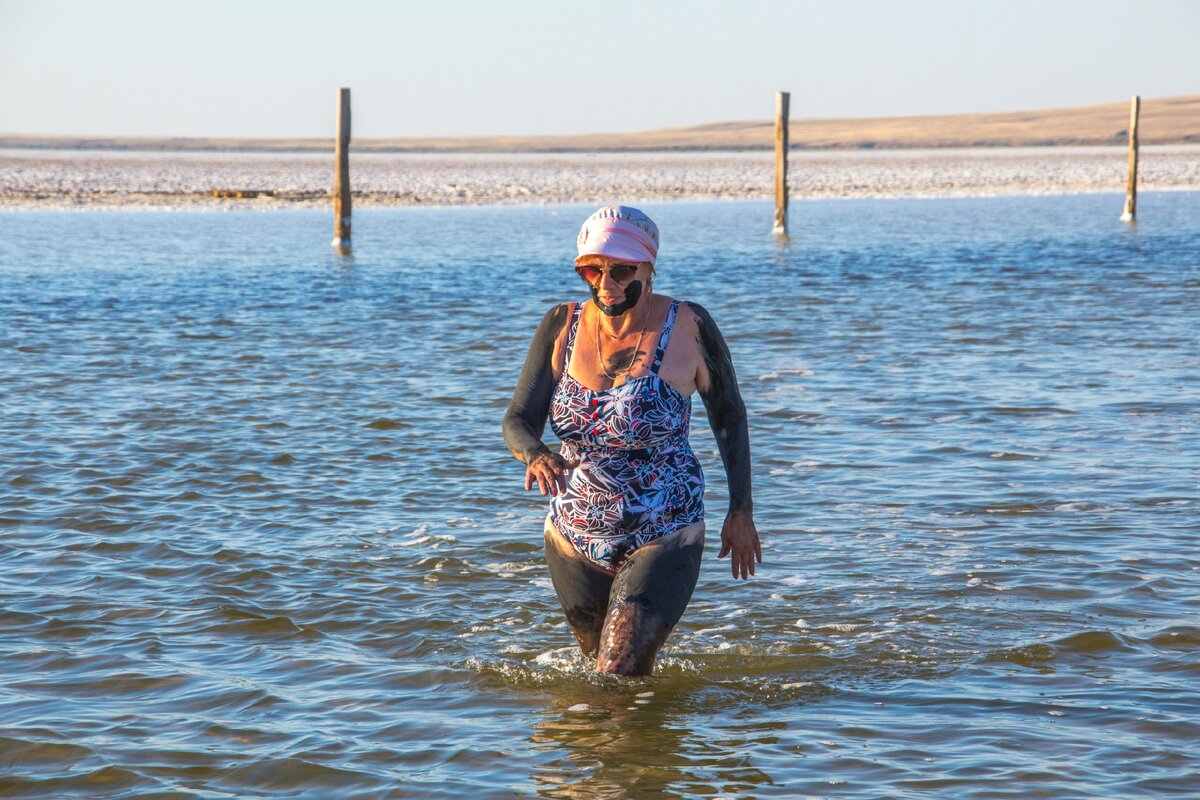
(70, 179)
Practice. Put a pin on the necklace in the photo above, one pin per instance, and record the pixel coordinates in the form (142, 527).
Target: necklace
(629, 366)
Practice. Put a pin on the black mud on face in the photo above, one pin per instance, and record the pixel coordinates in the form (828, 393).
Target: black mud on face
(633, 293)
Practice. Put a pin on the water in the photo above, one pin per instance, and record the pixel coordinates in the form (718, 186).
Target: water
(259, 535)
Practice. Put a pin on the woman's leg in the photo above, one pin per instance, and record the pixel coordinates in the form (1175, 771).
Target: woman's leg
(648, 597)
(582, 589)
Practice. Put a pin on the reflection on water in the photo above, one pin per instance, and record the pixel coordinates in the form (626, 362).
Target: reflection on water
(260, 535)
(610, 738)
(613, 741)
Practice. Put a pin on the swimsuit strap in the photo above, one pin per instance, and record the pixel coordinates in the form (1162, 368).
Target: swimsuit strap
(666, 335)
(571, 336)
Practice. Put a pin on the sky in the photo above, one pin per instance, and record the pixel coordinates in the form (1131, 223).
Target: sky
(478, 67)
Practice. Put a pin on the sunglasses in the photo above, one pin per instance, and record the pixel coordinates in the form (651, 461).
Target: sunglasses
(621, 273)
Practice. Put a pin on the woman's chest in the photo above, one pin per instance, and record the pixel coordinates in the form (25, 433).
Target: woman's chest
(594, 367)
(637, 413)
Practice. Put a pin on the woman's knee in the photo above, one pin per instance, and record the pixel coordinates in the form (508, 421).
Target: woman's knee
(660, 578)
(633, 633)
(582, 591)
(648, 598)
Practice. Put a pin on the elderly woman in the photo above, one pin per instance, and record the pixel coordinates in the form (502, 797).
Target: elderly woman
(615, 377)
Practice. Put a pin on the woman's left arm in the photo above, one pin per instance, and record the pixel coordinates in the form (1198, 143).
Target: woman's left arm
(727, 416)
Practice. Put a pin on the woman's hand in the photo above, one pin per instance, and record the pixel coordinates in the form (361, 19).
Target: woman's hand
(740, 537)
(549, 471)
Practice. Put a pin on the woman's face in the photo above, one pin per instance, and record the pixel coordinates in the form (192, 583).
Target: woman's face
(612, 296)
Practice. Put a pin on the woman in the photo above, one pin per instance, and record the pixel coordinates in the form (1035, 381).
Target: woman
(615, 377)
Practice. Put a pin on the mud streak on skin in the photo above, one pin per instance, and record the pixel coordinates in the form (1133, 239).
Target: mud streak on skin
(633, 293)
(648, 597)
(526, 417)
(726, 410)
(623, 361)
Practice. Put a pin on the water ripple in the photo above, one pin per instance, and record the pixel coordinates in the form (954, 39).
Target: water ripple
(261, 536)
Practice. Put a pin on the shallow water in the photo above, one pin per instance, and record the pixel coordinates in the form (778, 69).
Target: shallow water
(260, 537)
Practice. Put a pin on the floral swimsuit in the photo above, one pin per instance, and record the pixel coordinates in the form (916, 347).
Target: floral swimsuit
(638, 479)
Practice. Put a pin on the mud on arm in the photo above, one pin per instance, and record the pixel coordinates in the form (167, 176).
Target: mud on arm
(726, 411)
(526, 417)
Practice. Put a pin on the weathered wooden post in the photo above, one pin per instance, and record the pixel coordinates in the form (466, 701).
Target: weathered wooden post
(341, 179)
(1130, 214)
(781, 149)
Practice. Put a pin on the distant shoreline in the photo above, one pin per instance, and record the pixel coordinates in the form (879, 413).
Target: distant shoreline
(1171, 120)
(66, 179)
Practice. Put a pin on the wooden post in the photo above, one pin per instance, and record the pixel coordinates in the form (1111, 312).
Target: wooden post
(341, 180)
(781, 149)
(1131, 187)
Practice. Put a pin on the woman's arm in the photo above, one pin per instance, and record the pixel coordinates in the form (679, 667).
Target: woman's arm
(727, 416)
(526, 417)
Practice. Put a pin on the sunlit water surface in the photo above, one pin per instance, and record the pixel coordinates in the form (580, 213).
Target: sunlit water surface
(260, 537)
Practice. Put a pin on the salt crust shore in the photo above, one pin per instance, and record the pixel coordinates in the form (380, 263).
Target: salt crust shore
(34, 179)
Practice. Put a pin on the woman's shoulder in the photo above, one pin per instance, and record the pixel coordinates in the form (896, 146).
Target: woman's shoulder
(689, 313)
(557, 316)
(561, 308)
(695, 323)
(694, 309)
(697, 316)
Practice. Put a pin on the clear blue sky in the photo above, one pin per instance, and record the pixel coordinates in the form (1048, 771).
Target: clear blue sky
(440, 67)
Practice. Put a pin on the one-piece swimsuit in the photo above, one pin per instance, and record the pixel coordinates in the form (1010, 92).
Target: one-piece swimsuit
(638, 479)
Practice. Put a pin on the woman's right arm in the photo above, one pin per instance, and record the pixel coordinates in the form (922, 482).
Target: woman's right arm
(526, 417)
